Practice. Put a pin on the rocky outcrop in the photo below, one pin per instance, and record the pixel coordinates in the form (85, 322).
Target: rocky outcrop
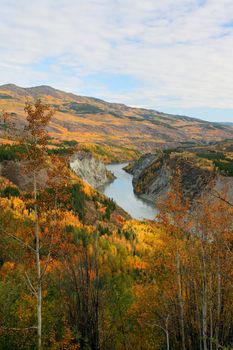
(85, 166)
(17, 172)
(136, 168)
(90, 169)
(154, 177)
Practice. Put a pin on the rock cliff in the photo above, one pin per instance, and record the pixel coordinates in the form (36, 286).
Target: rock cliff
(90, 169)
(154, 175)
(82, 163)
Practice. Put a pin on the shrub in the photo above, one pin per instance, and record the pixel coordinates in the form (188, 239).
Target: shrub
(11, 152)
(10, 191)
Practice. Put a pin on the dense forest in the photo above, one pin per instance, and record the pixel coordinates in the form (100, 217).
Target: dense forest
(113, 283)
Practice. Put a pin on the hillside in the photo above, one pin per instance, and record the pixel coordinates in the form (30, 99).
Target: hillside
(78, 270)
(87, 119)
(199, 170)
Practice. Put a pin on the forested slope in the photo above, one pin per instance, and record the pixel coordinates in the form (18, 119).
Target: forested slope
(77, 273)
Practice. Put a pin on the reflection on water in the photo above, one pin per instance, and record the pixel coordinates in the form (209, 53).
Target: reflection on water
(121, 190)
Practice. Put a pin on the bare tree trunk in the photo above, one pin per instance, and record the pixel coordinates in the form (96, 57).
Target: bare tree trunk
(168, 341)
(218, 305)
(199, 323)
(97, 343)
(204, 302)
(198, 316)
(165, 330)
(86, 295)
(211, 314)
(181, 302)
(167, 333)
(38, 267)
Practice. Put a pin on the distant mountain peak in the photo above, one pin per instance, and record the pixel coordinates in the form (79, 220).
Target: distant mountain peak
(8, 86)
(37, 91)
(14, 88)
(42, 88)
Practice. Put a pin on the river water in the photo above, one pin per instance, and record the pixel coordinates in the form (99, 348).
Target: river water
(121, 190)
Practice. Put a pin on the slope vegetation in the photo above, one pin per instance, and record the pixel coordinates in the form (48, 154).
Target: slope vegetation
(91, 120)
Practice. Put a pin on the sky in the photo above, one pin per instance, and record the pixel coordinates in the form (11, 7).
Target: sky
(174, 56)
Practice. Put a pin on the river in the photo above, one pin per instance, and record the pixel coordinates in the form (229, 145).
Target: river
(121, 190)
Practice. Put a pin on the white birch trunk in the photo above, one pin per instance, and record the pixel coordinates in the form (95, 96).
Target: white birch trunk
(181, 302)
(38, 268)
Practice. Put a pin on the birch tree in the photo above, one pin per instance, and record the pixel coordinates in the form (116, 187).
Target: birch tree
(35, 138)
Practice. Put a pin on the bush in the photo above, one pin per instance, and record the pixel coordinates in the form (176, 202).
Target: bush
(225, 167)
(10, 191)
(83, 108)
(212, 155)
(11, 152)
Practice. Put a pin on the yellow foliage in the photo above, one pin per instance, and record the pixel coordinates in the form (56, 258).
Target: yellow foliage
(70, 219)
(147, 235)
(87, 189)
(17, 207)
(135, 262)
(26, 308)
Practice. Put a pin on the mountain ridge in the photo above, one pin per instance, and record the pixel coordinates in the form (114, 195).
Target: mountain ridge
(89, 119)
(45, 89)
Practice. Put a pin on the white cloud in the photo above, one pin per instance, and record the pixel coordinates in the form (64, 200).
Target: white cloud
(181, 52)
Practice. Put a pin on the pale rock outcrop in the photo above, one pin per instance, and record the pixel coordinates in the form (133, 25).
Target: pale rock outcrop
(90, 169)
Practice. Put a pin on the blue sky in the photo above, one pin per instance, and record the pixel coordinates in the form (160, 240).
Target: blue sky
(172, 56)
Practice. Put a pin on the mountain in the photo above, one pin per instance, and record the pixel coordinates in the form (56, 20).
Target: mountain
(227, 123)
(87, 119)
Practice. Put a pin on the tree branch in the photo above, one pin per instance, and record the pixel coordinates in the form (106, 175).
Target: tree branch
(19, 240)
(30, 285)
(17, 328)
(217, 195)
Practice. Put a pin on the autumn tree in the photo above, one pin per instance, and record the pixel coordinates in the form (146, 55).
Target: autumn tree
(34, 138)
(196, 270)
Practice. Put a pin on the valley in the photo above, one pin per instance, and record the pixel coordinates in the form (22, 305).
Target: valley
(110, 239)
(116, 175)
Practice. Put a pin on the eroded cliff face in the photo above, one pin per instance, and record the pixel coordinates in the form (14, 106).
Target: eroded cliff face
(136, 168)
(156, 175)
(90, 169)
(82, 163)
